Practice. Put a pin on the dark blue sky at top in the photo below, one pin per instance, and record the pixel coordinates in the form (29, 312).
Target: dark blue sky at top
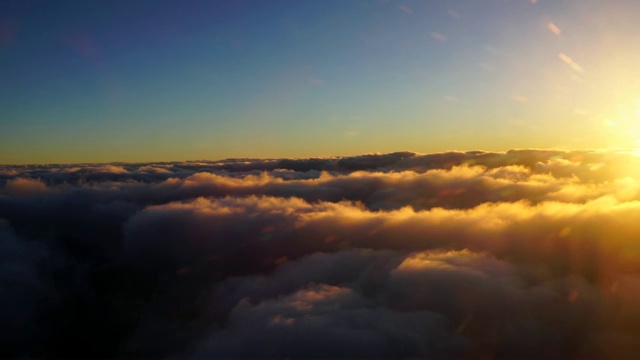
(242, 46)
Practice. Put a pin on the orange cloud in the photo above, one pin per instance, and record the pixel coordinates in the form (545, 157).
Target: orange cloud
(554, 28)
(24, 187)
(575, 66)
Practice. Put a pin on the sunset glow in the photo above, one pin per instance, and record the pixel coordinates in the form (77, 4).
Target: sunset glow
(212, 80)
(213, 179)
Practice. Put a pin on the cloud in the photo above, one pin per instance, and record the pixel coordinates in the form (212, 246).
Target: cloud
(22, 292)
(327, 321)
(520, 99)
(457, 254)
(405, 8)
(441, 304)
(24, 187)
(554, 28)
(569, 61)
(438, 36)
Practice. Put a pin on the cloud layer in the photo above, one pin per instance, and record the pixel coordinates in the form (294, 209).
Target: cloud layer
(522, 254)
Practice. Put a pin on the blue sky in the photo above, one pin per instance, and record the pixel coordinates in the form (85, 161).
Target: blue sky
(171, 80)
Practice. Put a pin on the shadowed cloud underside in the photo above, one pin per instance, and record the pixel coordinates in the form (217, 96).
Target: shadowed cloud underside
(451, 255)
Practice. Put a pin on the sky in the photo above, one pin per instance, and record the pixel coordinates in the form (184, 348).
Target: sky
(103, 81)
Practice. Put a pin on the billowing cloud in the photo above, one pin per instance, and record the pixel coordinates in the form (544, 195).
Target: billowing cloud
(459, 254)
(24, 187)
(325, 320)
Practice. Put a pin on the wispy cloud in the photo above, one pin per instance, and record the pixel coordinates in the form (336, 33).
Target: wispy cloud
(554, 28)
(405, 8)
(520, 98)
(438, 36)
(569, 61)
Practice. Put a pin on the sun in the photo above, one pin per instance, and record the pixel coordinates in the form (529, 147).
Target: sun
(622, 127)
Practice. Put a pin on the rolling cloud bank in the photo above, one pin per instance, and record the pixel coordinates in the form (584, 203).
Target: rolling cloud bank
(455, 255)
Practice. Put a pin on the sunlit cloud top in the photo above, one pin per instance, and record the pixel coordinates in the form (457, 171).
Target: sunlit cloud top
(447, 255)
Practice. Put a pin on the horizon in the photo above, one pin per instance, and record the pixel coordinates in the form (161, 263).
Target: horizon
(633, 152)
